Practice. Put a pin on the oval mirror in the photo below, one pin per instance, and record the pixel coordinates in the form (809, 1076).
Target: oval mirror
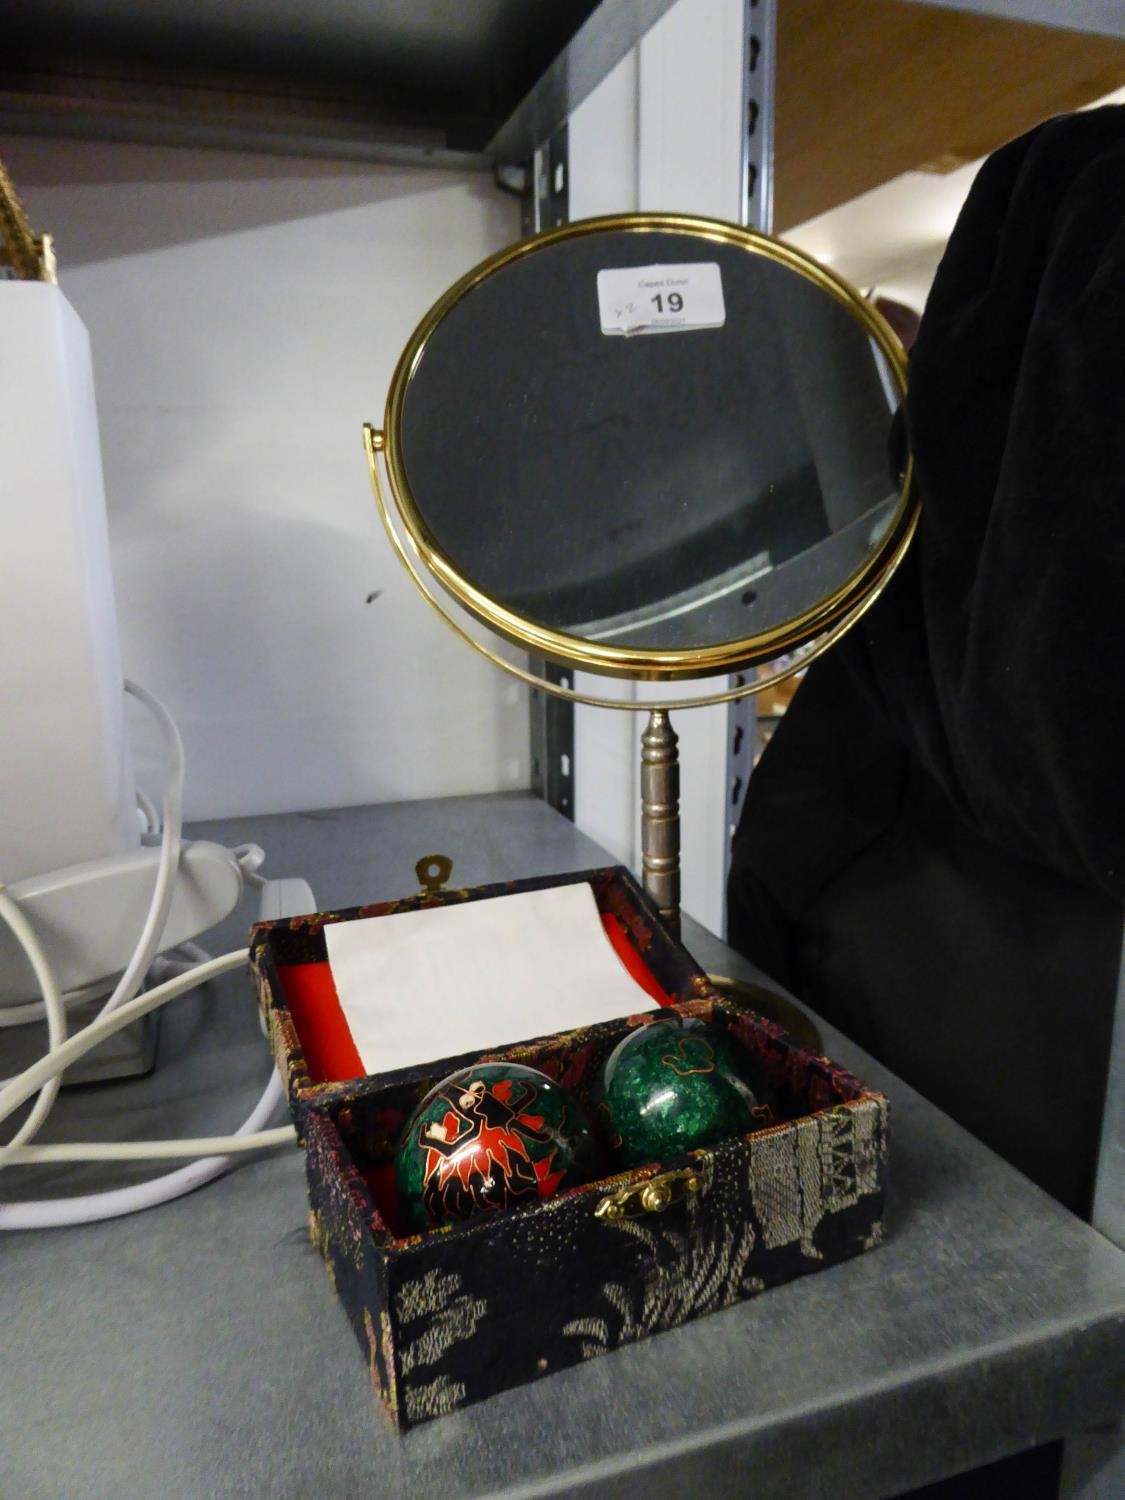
(652, 446)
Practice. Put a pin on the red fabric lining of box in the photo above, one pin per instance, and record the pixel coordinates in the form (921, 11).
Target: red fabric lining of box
(326, 1040)
(633, 960)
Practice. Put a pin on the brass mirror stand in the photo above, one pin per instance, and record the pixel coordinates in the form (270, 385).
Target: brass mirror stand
(660, 816)
(660, 857)
(527, 471)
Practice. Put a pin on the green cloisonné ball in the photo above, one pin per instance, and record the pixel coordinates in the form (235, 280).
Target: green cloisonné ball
(676, 1084)
(490, 1137)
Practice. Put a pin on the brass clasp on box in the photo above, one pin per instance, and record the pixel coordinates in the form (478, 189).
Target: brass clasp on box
(433, 870)
(651, 1197)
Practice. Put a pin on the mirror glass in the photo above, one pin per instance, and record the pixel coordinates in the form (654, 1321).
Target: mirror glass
(693, 450)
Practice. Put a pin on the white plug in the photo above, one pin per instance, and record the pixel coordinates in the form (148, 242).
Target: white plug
(285, 898)
(87, 916)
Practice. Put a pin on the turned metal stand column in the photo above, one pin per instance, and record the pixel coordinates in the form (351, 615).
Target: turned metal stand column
(660, 816)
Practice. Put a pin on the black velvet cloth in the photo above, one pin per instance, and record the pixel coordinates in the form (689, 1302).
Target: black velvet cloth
(932, 850)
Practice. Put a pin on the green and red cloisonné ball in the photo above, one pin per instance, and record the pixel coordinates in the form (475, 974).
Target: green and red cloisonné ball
(491, 1137)
(676, 1084)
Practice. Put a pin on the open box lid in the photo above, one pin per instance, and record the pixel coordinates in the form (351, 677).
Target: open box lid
(313, 1041)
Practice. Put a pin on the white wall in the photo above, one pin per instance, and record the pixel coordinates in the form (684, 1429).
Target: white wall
(245, 314)
(892, 237)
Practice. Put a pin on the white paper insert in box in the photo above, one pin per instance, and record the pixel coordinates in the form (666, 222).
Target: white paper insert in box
(476, 975)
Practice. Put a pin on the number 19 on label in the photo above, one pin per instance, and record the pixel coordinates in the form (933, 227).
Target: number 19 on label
(661, 299)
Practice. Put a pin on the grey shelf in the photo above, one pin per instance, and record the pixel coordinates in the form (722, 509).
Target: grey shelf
(197, 1350)
(443, 82)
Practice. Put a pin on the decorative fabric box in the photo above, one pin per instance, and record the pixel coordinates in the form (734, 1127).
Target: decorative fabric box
(461, 1312)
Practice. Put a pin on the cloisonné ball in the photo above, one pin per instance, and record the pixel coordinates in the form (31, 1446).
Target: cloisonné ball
(676, 1084)
(490, 1137)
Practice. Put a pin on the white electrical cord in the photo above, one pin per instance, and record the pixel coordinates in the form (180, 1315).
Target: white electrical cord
(147, 808)
(149, 941)
(59, 1058)
(172, 811)
(56, 1018)
(203, 1145)
(192, 967)
(62, 1213)
(117, 1202)
(250, 858)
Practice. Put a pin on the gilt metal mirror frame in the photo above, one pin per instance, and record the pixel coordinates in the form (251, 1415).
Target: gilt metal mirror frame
(444, 583)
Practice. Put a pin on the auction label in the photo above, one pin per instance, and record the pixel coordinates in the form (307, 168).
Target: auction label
(661, 299)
